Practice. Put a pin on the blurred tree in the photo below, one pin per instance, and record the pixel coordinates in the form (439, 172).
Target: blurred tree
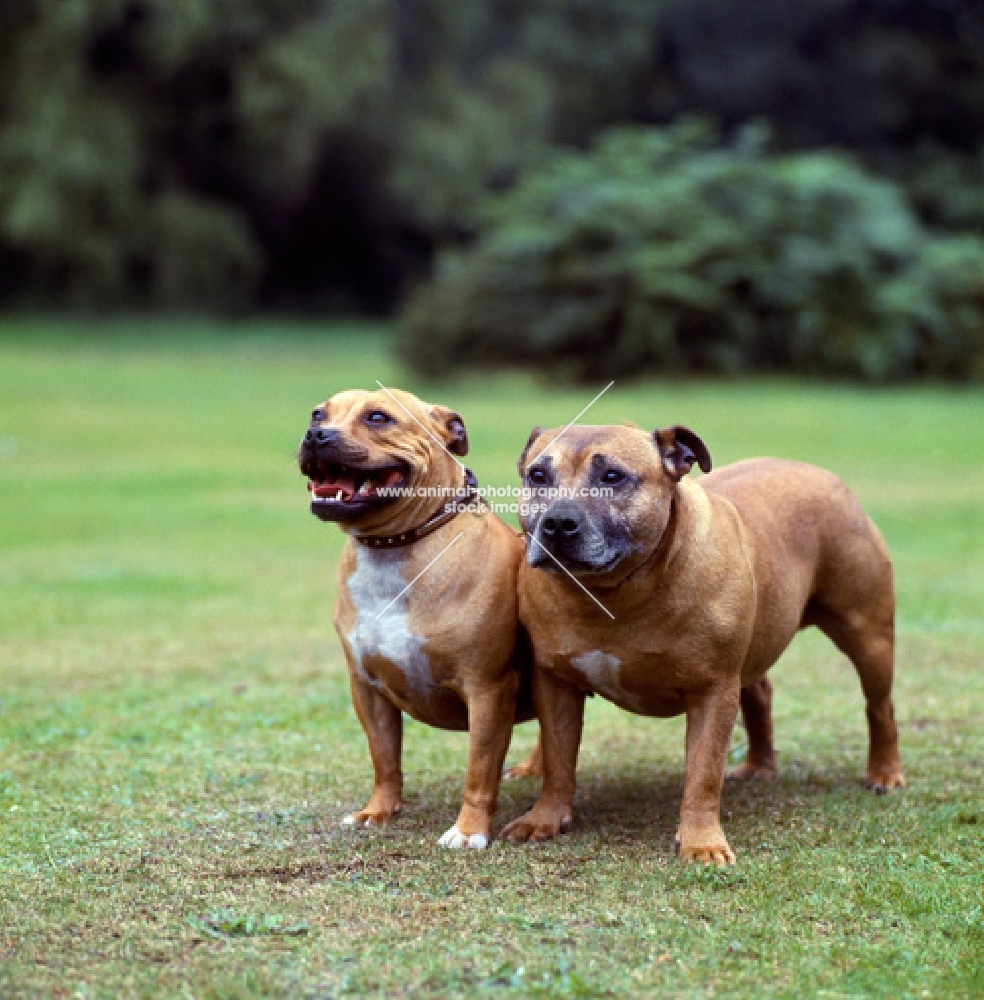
(316, 151)
(864, 74)
(220, 153)
(94, 165)
(898, 82)
(595, 56)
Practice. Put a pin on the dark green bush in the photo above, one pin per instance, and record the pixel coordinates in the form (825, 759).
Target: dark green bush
(659, 249)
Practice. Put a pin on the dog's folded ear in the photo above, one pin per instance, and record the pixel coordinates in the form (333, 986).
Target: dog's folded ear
(534, 434)
(454, 429)
(679, 447)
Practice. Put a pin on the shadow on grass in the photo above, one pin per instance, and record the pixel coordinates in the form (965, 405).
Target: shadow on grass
(631, 812)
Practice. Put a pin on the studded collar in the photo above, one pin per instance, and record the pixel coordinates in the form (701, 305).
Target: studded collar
(450, 511)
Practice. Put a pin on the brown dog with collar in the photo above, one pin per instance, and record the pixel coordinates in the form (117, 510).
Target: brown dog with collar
(692, 590)
(426, 609)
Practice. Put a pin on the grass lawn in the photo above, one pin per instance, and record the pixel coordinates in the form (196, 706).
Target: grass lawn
(177, 743)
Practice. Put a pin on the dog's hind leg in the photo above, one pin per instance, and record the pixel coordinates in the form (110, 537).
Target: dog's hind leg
(870, 645)
(854, 605)
(867, 637)
(532, 767)
(756, 711)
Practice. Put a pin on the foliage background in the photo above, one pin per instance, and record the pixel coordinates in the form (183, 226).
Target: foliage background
(323, 155)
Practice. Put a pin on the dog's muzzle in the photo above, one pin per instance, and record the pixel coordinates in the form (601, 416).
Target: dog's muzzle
(559, 533)
(341, 481)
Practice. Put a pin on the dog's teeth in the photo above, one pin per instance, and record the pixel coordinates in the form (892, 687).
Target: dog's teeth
(366, 488)
(339, 495)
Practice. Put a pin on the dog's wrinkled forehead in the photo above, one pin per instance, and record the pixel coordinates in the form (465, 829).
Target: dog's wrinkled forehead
(395, 422)
(356, 405)
(579, 449)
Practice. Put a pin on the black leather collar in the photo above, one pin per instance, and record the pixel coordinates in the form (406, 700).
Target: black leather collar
(441, 518)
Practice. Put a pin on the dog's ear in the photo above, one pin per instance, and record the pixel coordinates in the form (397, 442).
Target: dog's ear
(534, 434)
(454, 429)
(679, 448)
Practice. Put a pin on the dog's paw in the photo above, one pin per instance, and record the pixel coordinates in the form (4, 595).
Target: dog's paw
(882, 781)
(719, 856)
(367, 819)
(524, 770)
(704, 848)
(752, 772)
(455, 839)
(709, 854)
(537, 825)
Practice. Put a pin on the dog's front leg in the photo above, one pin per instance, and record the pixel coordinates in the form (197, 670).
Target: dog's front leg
(710, 720)
(383, 725)
(560, 708)
(491, 712)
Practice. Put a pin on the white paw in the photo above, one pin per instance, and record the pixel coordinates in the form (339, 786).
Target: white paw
(456, 839)
(350, 821)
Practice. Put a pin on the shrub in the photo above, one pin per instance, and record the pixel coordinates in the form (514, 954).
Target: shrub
(661, 249)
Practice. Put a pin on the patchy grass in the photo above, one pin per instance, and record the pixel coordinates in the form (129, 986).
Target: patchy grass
(177, 743)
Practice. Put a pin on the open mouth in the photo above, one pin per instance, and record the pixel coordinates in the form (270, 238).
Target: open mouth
(338, 490)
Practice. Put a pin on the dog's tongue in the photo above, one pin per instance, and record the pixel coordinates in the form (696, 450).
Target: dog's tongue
(346, 484)
(343, 483)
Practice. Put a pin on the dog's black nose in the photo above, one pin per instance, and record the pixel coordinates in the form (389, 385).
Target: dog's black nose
(320, 436)
(561, 522)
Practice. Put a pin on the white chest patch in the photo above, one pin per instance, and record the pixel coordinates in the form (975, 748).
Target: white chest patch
(382, 624)
(601, 672)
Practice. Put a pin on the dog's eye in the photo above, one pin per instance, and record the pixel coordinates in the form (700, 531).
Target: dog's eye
(377, 418)
(536, 476)
(318, 415)
(612, 476)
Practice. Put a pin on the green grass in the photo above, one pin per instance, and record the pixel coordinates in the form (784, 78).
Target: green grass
(177, 743)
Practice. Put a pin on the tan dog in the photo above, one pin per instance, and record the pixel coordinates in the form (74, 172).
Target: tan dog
(708, 582)
(440, 642)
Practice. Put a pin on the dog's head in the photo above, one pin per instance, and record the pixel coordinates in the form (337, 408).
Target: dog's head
(367, 456)
(603, 495)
